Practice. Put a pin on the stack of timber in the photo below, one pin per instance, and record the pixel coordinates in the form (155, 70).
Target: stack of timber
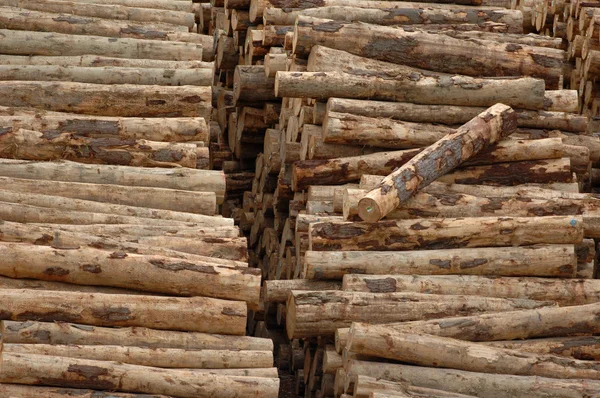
(119, 276)
(320, 101)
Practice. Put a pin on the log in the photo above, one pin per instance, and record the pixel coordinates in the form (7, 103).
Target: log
(175, 200)
(15, 42)
(561, 100)
(584, 347)
(549, 261)
(34, 145)
(452, 115)
(33, 332)
(131, 271)
(108, 75)
(317, 313)
(277, 291)
(185, 179)
(250, 84)
(482, 384)
(197, 314)
(563, 291)
(107, 11)
(155, 357)
(370, 387)
(129, 231)
(70, 372)
(431, 51)
(440, 158)
(24, 391)
(109, 100)
(100, 61)
(10, 283)
(424, 350)
(156, 4)
(433, 233)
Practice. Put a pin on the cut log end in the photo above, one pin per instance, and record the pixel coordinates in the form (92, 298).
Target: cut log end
(369, 210)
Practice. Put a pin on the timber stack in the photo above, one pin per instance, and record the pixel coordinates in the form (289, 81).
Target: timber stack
(120, 278)
(422, 178)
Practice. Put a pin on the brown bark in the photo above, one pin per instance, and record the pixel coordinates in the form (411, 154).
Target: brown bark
(317, 313)
(199, 314)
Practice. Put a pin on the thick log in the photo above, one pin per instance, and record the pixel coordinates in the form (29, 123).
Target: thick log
(128, 231)
(130, 196)
(452, 115)
(317, 313)
(155, 357)
(584, 347)
(131, 271)
(436, 52)
(197, 314)
(105, 375)
(277, 291)
(424, 350)
(561, 100)
(15, 42)
(35, 145)
(482, 384)
(25, 391)
(446, 233)
(225, 248)
(440, 158)
(107, 11)
(185, 179)
(562, 291)
(531, 191)
(156, 4)
(370, 387)
(100, 61)
(33, 332)
(250, 84)
(109, 100)
(549, 261)
(32, 284)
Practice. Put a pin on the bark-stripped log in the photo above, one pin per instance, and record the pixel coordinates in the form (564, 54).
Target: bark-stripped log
(126, 231)
(317, 313)
(105, 375)
(15, 42)
(277, 291)
(131, 271)
(34, 284)
(196, 314)
(549, 261)
(440, 158)
(155, 357)
(33, 332)
(25, 391)
(155, 4)
(100, 61)
(562, 291)
(370, 387)
(250, 84)
(584, 347)
(109, 100)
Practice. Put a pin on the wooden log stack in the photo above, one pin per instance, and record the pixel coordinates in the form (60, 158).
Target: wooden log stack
(124, 279)
(338, 107)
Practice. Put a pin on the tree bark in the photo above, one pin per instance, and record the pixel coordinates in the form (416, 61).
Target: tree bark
(155, 357)
(170, 200)
(424, 350)
(100, 61)
(484, 385)
(251, 85)
(320, 313)
(109, 100)
(33, 332)
(105, 375)
(25, 391)
(131, 271)
(277, 291)
(440, 158)
(563, 291)
(445, 233)
(548, 261)
(584, 347)
(15, 42)
(196, 314)
(436, 52)
(452, 115)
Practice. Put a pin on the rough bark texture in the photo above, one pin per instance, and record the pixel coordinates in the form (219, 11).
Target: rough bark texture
(446, 154)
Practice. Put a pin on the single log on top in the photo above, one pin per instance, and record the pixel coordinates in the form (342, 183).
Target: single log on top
(446, 154)
(198, 314)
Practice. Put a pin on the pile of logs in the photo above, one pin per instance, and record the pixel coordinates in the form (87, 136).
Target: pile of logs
(382, 233)
(119, 276)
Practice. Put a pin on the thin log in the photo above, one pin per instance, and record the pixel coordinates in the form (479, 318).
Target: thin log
(25, 391)
(101, 61)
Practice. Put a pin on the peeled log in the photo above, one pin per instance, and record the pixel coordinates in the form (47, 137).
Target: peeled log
(16, 42)
(563, 291)
(444, 233)
(485, 385)
(436, 52)
(156, 4)
(185, 179)
(155, 357)
(250, 84)
(32, 332)
(277, 291)
(34, 284)
(24, 391)
(104, 375)
(317, 313)
(196, 314)
(370, 387)
(100, 61)
(132, 231)
(549, 261)
(131, 271)
(584, 347)
(424, 350)
(440, 158)
(109, 100)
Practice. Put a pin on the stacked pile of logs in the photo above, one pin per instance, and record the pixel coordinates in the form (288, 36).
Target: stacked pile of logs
(118, 275)
(321, 102)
